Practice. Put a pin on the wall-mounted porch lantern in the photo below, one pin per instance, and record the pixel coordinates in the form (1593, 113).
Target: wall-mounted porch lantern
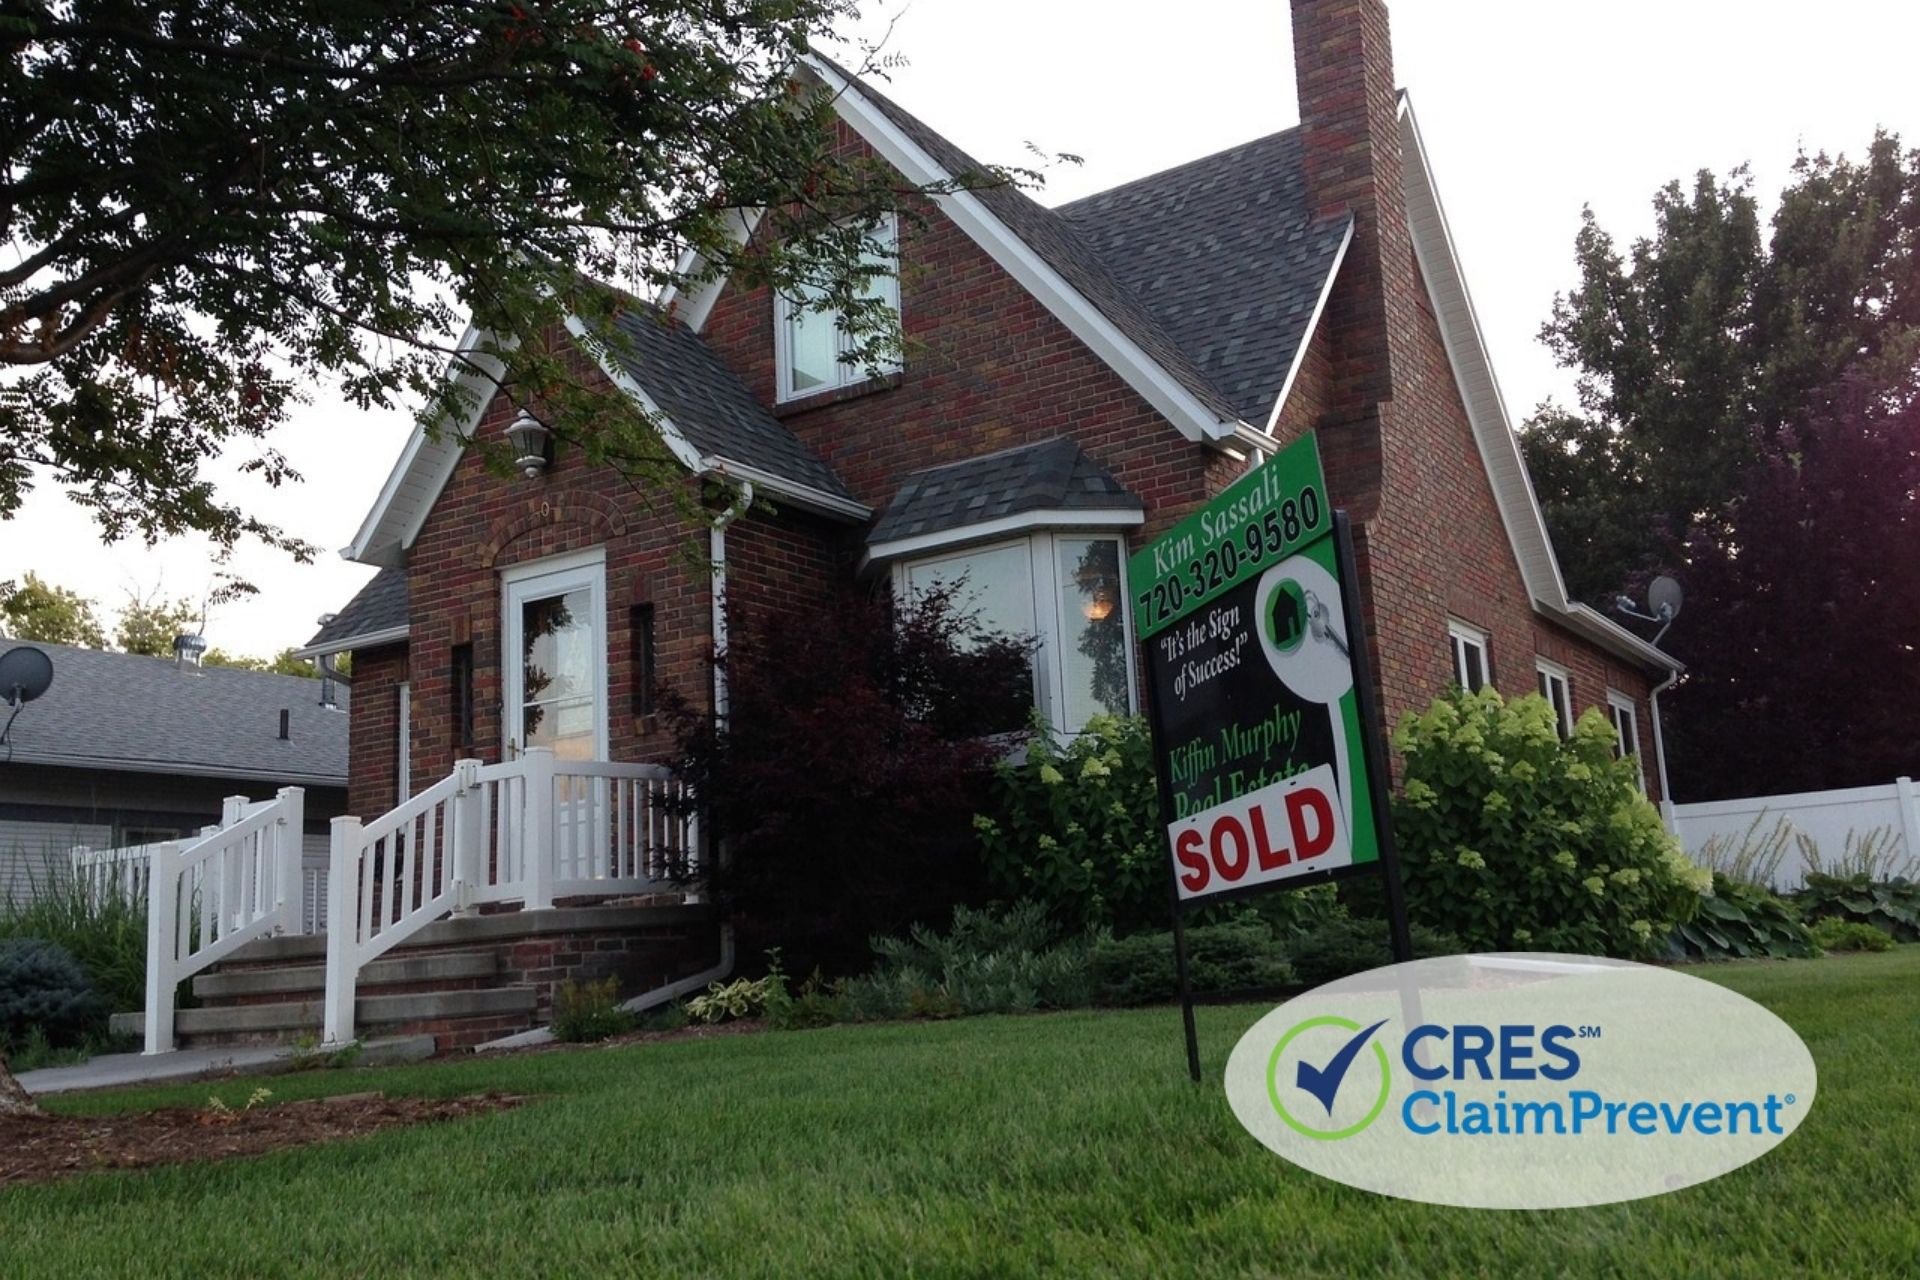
(528, 436)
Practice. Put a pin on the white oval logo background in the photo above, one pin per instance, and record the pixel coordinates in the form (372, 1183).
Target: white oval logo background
(1608, 1081)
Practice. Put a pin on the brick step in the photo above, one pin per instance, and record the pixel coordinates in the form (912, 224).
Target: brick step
(659, 921)
(291, 1019)
(444, 966)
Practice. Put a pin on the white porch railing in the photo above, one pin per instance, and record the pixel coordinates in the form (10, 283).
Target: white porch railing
(119, 872)
(528, 830)
(209, 896)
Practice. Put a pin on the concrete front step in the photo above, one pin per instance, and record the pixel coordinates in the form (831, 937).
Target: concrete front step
(292, 1017)
(445, 966)
(490, 928)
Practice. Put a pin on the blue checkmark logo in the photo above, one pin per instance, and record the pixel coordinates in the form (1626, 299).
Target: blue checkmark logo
(1321, 1077)
(1324, 1082)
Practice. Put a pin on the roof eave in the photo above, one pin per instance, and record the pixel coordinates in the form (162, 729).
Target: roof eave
(1603, 630)
(115, 764)
(346, 644)
(1499, 447)
(1313, 323)
(391, 525)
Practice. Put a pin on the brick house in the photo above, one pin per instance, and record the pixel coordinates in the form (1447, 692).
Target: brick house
(1074, 380)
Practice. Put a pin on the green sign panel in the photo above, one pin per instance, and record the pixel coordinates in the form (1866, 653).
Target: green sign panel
(1242, 614)
(1266, 516)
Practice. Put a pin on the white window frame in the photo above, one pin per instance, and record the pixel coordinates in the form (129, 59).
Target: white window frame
(1461, 636)
(1550, 674)
(1624, 744)
(1049, 668)
(847, 373)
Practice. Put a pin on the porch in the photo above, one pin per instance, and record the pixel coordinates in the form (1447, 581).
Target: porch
(458, 913)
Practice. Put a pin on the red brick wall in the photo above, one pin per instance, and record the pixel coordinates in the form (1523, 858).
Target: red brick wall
(373, 729)
(787, 562)
(483, 524)
(986, 367)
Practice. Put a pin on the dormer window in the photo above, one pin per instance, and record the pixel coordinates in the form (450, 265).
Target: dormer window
(813, 351)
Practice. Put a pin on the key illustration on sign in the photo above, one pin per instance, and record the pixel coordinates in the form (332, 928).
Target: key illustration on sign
(1305, 650)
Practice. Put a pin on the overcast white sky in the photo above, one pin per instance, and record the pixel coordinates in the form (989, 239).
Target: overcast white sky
(1530, 109)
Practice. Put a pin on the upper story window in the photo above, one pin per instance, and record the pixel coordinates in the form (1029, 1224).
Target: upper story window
(812, 349)
(1068, 590)
(1626, 731)
(1471, 670)
(1556, 686)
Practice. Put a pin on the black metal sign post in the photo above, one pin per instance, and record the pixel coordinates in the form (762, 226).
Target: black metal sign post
(1269, 746)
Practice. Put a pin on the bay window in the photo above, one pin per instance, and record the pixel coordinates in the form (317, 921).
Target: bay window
(1065, 589)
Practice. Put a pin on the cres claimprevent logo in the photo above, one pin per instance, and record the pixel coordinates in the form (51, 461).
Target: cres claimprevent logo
(1309, 1075)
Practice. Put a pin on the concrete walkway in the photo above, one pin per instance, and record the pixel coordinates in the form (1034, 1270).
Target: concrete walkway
(119, 1070)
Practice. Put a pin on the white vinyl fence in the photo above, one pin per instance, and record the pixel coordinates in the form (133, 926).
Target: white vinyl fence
(1783, 837)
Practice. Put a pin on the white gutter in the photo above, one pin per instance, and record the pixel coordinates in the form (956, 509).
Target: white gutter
(717, 542)
(799, 495)
(368, 640)
(1660, 745)
(718, 535)
(685, 986)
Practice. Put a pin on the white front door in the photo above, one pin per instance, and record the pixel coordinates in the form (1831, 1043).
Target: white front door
(554, 657)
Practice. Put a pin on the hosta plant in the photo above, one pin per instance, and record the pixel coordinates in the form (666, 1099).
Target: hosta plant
(1742, 921)
(1889, 905)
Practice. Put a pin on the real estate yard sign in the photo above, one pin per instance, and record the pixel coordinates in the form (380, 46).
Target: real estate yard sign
(1265, 731)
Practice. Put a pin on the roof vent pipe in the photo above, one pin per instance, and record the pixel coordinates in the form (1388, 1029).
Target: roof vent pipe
(188, 650)
(286, 725)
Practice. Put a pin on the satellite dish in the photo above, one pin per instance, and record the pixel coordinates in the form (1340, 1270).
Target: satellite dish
(1664, 597)
(25, 674)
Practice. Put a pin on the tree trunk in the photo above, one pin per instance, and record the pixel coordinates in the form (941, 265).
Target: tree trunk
(13, 1099)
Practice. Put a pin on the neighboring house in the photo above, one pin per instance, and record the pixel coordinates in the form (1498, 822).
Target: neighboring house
(126, 750)
(1074, 381)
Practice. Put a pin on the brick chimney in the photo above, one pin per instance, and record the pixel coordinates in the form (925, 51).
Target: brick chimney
(1350, 149)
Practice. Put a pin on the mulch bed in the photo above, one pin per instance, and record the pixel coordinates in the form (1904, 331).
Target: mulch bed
(44, 1147)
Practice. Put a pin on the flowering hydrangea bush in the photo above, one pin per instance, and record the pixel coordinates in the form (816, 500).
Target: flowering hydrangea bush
(1513, 839)
(1075, 827)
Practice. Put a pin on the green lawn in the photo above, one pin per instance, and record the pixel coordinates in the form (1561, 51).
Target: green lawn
(1064, 1144)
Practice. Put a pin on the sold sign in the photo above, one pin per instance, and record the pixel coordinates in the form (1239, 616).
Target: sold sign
(1290, 828)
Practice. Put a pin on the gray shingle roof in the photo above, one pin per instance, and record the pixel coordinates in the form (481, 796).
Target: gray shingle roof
(1053, 475)
(711, 406)
(381, 605)
(124, 711)
(1227, 255)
